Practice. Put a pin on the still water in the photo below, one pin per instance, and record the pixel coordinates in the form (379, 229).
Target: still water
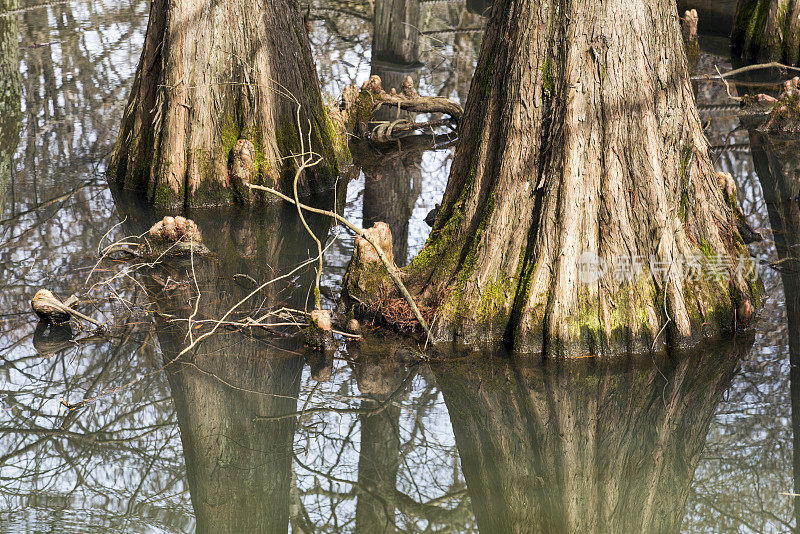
(250, 432)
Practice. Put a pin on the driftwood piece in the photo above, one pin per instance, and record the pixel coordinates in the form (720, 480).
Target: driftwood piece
(356, 108)
(49, 308)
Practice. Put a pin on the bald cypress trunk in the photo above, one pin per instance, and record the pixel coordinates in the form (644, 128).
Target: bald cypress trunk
(212, 74)
(767, 30)
(581, 143)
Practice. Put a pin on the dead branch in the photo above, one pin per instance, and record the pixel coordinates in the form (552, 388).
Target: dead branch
(394, 272)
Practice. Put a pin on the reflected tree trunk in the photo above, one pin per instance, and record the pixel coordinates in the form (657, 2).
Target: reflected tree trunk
(378, 376)
(239, 467)
(583, 447)
(778, 167)
(10, 95)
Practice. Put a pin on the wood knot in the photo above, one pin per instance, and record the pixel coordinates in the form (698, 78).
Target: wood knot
(728, 184)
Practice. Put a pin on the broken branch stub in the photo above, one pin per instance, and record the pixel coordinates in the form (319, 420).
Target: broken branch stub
(356, 108)
(319, 333)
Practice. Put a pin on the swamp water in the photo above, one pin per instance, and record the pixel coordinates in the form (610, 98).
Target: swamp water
(253, 433)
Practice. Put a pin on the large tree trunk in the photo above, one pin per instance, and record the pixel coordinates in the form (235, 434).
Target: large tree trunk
(609, 447)
(767, 30)
(581, 141)
(10, 95)
(211, 74)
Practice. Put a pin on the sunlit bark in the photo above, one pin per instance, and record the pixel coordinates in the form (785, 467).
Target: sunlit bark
(581, 135)
(211, 74)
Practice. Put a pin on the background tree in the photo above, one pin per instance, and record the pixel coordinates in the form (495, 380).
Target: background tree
(210, 75)
(10, 93)
(767, 30)
(574, 141)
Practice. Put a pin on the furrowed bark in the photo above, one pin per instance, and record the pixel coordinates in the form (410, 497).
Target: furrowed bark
(581, 135)
(211, 75)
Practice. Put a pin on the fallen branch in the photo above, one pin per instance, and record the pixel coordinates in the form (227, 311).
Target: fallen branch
(390, 267)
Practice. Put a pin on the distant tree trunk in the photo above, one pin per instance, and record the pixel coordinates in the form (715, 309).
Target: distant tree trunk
(10, 95)
(211, 74)
(610, 447)
(581, 142)
(767, 30)
(392, 180)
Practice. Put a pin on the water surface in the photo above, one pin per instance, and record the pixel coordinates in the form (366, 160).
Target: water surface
(251, 432)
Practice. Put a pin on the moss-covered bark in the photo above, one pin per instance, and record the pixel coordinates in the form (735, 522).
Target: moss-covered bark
(576, 146)
(209, 76)
(767, 30)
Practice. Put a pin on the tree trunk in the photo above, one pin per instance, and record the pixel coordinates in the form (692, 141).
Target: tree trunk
(10, 95)
(608, 447)
(392, 181)
(767, 30)
(581, 144)
(238, 467)
(212, 74)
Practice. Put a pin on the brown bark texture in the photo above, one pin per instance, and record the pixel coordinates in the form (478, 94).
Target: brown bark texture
(581, 136)
(767, 30)
(211, 74)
